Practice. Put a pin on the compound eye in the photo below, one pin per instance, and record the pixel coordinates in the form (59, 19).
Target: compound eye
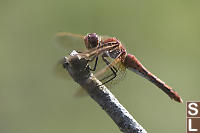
(93, 40)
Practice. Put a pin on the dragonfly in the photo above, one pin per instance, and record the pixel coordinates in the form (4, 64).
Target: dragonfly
(111, 48)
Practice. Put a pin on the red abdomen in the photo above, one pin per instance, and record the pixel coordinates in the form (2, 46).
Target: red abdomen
(133, 64)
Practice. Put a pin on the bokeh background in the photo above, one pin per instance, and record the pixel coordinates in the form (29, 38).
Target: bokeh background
(163, 35)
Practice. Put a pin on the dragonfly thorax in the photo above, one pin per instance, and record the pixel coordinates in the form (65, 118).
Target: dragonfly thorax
(118, 50)
(113, 54)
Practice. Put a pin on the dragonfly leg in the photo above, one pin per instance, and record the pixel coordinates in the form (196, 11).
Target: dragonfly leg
(96, 60)
(95, 64)
(112, 68)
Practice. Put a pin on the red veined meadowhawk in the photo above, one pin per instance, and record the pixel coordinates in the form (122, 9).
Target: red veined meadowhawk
(110, 47)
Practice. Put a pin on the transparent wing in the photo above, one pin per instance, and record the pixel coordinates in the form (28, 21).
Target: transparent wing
(59, 71)
(70, 41)
(121, 72)
(81, 92)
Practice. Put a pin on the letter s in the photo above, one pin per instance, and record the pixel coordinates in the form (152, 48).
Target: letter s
(193, 109)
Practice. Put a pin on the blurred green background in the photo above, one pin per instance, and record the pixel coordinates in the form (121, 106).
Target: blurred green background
(163, 35)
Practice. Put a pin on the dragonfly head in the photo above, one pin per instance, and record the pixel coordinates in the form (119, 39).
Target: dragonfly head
(91, 40)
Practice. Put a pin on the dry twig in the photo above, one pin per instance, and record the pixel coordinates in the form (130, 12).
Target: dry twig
(79, 70)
